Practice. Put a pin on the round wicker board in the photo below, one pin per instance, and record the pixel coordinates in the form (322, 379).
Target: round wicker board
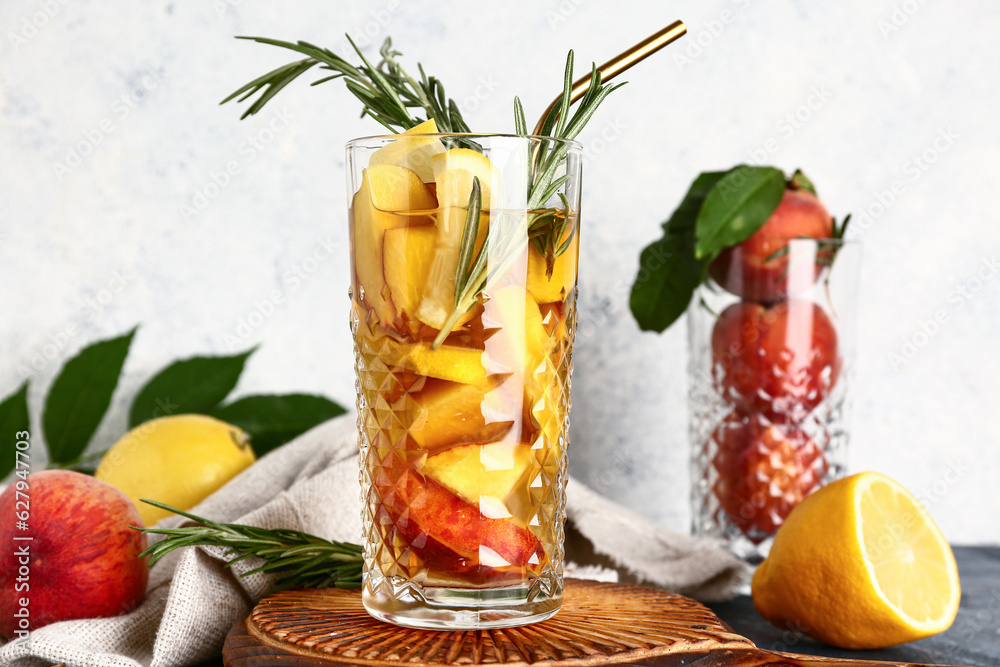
(599, 624)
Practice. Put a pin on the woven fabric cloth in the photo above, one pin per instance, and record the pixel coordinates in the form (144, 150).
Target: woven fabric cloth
(311, 484)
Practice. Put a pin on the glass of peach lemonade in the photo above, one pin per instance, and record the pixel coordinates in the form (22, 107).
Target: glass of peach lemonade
(464, 267)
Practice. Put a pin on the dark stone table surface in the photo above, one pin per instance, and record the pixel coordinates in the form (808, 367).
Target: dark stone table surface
(973, 640)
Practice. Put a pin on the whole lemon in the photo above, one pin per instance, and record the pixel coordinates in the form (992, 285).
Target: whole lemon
(859, 564)
(178, 460)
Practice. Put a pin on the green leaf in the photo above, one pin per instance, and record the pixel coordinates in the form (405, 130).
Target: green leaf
(684, 218)
(80, 395)
(668, 276)
(14, 426)
(839, 230)
(800, 181)
(669, 272)
(736, 207)
(272, 421)
(197, 385)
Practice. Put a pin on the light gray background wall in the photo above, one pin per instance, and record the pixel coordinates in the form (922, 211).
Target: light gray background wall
(871, 87)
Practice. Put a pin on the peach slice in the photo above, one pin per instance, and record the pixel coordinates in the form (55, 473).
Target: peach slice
(483, 475)
(429, 509)
(389, 197)
(454, 171)
(411, 150)
(448, 362)
(554, 288)
(406, 252)
(474, 472)
(447, 413)
(398, 190)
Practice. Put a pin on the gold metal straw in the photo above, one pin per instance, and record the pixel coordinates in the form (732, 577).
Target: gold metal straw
(620, 63)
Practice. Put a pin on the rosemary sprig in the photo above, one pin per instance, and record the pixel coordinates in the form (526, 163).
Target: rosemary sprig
(545, 226)
(387, 91)
(299, 559)
(389, 94)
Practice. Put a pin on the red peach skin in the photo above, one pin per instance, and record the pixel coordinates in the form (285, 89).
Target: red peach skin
(764, 471)
(781, 360)
(745, 269)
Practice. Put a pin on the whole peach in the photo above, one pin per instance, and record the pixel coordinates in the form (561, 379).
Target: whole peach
(758, 269)
(764, 469)
(781, 360)
(73, 557)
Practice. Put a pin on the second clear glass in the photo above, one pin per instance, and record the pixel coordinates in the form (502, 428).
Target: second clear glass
(771, 360)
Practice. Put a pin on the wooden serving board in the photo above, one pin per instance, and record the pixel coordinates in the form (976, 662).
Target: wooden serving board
(599, 624)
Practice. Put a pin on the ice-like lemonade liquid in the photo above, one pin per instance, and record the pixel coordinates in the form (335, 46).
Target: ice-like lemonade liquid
(463, 433)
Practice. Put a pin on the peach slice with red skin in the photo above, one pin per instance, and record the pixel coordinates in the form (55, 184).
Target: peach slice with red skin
(486, 476)
(425, 509)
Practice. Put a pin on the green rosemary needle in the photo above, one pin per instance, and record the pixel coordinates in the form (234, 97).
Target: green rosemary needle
(299, 559)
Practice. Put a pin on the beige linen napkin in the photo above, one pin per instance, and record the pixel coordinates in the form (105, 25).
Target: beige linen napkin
(311, 484)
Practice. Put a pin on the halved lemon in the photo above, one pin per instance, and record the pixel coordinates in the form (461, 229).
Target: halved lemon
(859, 564)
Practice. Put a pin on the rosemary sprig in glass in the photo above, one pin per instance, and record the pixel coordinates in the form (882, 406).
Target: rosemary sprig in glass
(546, 226)
(299, 559)
(387, 91)
(389, 94)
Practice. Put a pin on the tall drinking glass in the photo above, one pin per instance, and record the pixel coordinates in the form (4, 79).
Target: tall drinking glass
(771, 361)
(464, 260)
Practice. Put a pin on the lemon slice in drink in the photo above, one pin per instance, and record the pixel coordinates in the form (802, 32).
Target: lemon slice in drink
(859, 564)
